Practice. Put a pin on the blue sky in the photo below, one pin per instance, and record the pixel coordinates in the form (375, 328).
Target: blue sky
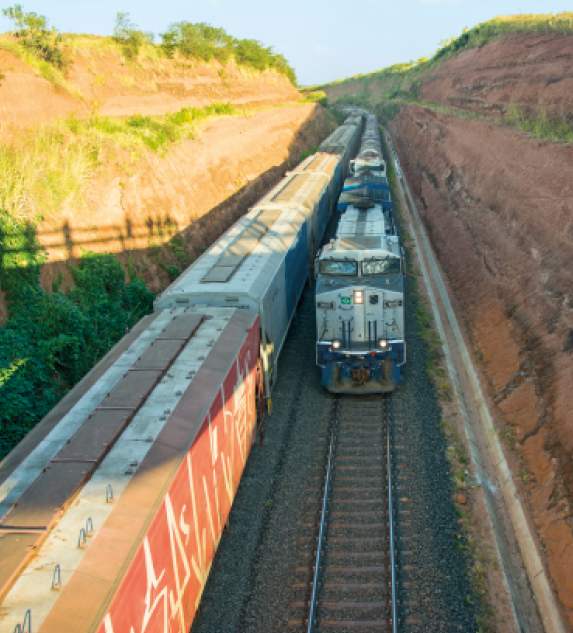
(323, 39)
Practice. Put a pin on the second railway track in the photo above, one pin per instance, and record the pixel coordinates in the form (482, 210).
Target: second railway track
(353, 583)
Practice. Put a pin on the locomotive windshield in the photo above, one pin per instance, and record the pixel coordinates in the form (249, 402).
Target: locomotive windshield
(385, 266)
(339, 267)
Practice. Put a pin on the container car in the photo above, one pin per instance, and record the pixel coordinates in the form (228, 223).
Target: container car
(260, 265)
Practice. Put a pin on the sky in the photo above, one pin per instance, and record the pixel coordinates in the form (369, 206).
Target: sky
(323, 40)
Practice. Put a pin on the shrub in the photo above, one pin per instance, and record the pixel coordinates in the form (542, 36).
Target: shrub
(34, 34)
(52, 340)
(205, 42)
(129, 37)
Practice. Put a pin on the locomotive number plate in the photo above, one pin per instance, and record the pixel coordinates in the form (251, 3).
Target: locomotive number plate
(325, 305)
(397, 303)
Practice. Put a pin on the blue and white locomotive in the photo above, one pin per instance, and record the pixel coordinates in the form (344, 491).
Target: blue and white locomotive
(360, 299)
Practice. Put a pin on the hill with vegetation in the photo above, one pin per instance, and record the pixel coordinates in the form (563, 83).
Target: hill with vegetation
(497, 70)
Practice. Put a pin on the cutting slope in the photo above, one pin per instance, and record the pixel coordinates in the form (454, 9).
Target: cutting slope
(100, 78)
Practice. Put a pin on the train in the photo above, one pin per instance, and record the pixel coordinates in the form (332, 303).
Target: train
(112, 507)
(359, 294)
(370, 157)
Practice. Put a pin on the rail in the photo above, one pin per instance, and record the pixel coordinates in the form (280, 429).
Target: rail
(313, 604)
(391, 521)
(312, 611)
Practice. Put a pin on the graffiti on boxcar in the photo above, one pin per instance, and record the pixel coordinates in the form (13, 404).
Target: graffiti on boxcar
(162, 588)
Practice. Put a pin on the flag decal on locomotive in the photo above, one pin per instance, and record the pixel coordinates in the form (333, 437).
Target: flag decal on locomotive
(345, 301)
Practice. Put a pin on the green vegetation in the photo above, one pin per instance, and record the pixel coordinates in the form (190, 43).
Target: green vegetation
(129, 37)
(49, 51)
(556, 128)
(205, 42)
(33, 34)
(52, 340)
(45, 167)
(314, 96)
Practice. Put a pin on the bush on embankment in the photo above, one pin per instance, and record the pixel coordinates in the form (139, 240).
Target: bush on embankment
(51, 52)
(52, 340)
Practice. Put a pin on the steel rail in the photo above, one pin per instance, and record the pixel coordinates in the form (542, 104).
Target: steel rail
(391, 522)
(312, 611)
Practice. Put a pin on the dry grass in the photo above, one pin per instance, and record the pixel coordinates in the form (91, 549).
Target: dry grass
(43, 68)
(50, 167)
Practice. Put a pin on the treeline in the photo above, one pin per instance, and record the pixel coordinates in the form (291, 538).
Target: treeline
(183, 39)
(205, 42)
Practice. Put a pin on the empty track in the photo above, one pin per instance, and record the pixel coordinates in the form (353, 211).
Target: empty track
(353, 585)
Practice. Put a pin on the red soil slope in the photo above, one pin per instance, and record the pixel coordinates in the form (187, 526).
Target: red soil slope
(104, 81)
(499, 207)
(534, 71)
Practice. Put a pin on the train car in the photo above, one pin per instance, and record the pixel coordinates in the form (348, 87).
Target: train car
(365, 186)
(309, 192)
(369, 157)
(113, 506)
(327, 164)
(344, 141)
(360, 304)
(261, 265)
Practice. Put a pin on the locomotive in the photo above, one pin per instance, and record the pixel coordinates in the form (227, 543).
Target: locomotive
(360, 293)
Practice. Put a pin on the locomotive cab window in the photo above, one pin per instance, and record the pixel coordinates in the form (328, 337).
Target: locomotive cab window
(339, 267)
(386, 266)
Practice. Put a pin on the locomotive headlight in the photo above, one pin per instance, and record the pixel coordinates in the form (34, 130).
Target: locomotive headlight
(358, 296)
(383, 343)
(336, 344)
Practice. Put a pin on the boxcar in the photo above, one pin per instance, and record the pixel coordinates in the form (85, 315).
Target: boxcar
(113, 506)
(261, 265)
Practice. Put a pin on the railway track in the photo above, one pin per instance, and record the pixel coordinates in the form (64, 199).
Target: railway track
(353, 585)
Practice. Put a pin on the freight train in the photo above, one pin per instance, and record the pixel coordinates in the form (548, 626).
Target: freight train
(360, 288)
(112, 508)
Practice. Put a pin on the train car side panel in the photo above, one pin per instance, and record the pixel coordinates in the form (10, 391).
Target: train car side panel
(162, 589)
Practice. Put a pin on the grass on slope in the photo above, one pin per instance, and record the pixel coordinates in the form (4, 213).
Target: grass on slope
(49, 166)
(477, 36)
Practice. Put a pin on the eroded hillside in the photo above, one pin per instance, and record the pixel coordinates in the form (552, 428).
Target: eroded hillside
(100, 79)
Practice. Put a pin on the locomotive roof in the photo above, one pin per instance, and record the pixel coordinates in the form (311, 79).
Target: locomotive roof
(361, 235)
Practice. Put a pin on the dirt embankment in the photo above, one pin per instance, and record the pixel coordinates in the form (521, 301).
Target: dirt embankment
(499, 207)
(193, 194)
(534, 72)
(100, 79)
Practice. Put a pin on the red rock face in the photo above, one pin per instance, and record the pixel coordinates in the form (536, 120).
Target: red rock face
(498, 208)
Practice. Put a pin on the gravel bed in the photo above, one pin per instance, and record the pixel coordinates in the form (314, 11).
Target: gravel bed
(439, 583)
(254, 579)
